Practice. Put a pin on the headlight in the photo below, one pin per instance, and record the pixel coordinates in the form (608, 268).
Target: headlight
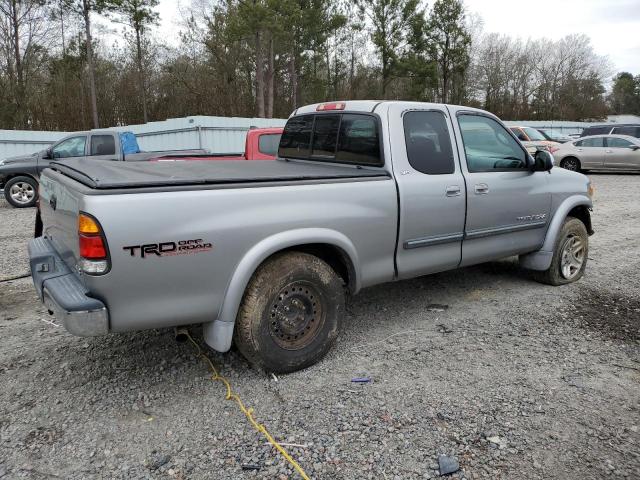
(1, 162)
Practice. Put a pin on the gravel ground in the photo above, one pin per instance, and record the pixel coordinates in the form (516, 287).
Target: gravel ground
(515, 379)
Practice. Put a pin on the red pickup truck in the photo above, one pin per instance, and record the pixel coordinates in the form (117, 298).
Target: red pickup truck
(261, 144)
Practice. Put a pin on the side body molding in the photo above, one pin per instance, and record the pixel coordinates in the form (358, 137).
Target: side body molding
(541, 260)
(219, 333)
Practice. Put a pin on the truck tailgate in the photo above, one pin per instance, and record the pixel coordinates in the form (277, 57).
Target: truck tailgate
(59, 208)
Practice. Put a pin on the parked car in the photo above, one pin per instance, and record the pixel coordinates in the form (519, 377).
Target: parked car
(263, 253)
(554, 135)
(19, 175)
(612, 128)
(260, 144)
(532, 139)
(600, 152)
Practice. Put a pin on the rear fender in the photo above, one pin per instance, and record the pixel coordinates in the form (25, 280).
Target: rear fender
(541, 259)
(219, 333)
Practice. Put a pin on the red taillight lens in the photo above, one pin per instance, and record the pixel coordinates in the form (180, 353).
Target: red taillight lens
(92, 247)
(553, 149)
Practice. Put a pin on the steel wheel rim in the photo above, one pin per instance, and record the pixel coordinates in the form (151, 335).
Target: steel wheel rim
(571, 164)
(296, 315)
(572, 257)
(22, 192)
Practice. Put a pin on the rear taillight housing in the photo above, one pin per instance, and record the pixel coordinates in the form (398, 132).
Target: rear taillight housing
(94, 253)
(553, 149)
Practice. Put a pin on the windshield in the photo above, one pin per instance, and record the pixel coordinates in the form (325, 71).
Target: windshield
(533, 134)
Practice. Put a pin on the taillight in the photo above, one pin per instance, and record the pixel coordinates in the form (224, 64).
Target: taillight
(331, 106)
(553, 148)
(94, 255)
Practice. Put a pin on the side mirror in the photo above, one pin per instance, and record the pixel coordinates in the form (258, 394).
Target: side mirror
(543, 161)
(634, 147)
(48, 154)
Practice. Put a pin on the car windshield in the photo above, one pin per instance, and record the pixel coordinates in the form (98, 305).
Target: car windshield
(533, 134)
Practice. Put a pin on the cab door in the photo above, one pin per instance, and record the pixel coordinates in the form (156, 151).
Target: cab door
(508, 205)
(591, 152)
(431, 189)
(621, 154)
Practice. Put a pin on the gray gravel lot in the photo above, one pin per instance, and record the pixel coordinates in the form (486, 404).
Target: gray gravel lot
(515, 379)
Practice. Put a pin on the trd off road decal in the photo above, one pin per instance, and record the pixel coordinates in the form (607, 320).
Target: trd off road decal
(170, 249)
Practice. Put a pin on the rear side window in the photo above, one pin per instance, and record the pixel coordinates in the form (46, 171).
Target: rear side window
(428, 143)
(268, 143)
(591, 142)
(342, 138)
(103, 145)
(618, 143)
(633, 131)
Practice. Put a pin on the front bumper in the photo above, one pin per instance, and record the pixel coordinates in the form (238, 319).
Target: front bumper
(63, 294)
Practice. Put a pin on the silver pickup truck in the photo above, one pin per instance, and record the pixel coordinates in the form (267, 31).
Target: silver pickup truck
(263, 253)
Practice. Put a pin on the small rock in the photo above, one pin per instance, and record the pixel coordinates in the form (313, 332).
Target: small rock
(157, 460)
(448, 464)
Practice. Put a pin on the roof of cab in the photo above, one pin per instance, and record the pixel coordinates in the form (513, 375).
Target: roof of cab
(351, 105)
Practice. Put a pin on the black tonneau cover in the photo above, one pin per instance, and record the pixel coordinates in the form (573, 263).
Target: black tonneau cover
(105, 175)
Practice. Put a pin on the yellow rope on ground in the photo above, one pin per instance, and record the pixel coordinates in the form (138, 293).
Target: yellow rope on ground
(216, 377)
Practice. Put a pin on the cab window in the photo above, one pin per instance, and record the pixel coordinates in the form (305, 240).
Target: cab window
(71, 147)
(342, 138)
(488, 146)
(428, 142)
(103, 145)
(618, 143)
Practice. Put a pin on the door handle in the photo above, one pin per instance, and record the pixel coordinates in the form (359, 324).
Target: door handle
(482, 189)
(608, 151)
(53, 202)
(453, 191)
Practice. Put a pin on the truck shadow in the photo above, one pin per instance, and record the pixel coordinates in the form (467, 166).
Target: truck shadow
(155, 356)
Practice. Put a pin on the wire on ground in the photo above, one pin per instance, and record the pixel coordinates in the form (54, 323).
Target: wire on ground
(216, 377)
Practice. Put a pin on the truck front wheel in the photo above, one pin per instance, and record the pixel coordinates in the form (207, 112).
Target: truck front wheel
(290, 313)
(570, 255)
(21, 192)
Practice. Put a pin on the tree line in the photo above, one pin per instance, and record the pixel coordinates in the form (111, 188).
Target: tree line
(78, 64)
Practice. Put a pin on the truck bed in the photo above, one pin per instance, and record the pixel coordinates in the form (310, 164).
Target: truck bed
(121, 175)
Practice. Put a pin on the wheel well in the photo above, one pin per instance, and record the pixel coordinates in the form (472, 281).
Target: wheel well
(14, 175)
(334, 256)
(571, 156)
(582, 213)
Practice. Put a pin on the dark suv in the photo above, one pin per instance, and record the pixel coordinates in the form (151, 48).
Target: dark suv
(632, 129)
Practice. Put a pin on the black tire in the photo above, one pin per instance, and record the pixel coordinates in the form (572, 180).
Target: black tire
(571, 163)
(21, 192)
(555, 274)
(290, 313)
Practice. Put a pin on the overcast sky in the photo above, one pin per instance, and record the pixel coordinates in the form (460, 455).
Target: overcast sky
(612, 25)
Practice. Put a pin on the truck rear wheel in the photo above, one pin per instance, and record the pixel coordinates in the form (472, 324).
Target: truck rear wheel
(21, 192)
(290, 313)
(570, 255)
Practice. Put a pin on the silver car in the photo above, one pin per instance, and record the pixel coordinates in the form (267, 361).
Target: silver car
(599, 152)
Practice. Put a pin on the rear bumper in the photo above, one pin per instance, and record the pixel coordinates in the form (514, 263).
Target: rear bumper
(63, 294)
